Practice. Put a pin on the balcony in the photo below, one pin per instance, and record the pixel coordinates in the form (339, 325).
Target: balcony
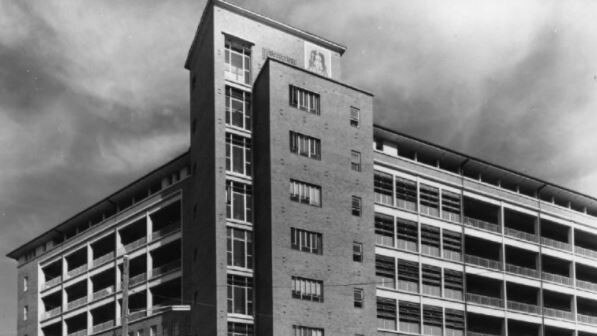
(52, 312)
(163, 269)
(76, 303)
(76, 271)
(585, 252)
(134, 244)
(103, 259)
(520, 234)
(522, 270)
(165, 231)
(103, 326)
(523, 307)
(102, 293)
(484, 262)
(587, 319)
(51, 283)
(558, 313)
(485, 300)
(556, 243)
(586, 285)
(481, 224)
(564, 280)
(137, 279)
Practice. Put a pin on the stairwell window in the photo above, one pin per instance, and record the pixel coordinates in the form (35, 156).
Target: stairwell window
(239, 201)
(239, 248)
(238, 154)
(305, 145)
(240, 295)
(304, 100)
(237, 60)
(305, 193)
(238, 108)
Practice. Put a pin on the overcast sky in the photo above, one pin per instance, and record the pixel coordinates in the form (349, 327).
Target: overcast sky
(94, 94)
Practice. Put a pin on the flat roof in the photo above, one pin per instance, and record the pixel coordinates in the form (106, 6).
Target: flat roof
(340, 48)
(491, 172)
(178, 161)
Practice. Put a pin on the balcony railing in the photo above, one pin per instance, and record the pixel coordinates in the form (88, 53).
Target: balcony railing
(587, 319)
(134, 244)
(137, 279)
(76, 303)
(76, 271)
(485, 300)
(103, 292)
(163, 269)
(522, 270)
(101, 260)
(166, 230)
(521, 234)
(585, 252)
(523, 307)
(450, 216)
(103, 326)
(52, 312)
(481, 224)
(556, 243)
(489, 263)
(51, 283)
(563, 314)
(81, 332)
(586, 285)
(564, 280)
(452, 255)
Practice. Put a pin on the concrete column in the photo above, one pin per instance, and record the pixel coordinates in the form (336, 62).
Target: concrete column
(149, 297)
(64, 269)
(118, 313)
(89, 257)
(64, 329)
(149, 227)
(89, 290)
(89, 323)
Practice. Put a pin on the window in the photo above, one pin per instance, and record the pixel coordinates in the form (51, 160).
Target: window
(451, 203)
(237, 61)
(408, 275)
(406, 194)
(382, 185)
(25, 283)
(454, 322)
(430, 240)
(304, 100)
(240, 295)
(432, 320)
(453, 284)
(306, 241)
(355, 160)
(153, 331)
(239, 201)
(429, 200)
(355, 116)
(432, 280)
(384, 230)
(305, 145)
(410, 317)
(452, 245)
(356, 206)
(25, 313)
(305, 193)
(359, 297)
(408, 234)
(306, 331)
(240, 329)
(238, 154)
(307, 289)
(239, 247)
(140, 332)
(386, 313)
(357, 252)
(238, 108)
(385, 271)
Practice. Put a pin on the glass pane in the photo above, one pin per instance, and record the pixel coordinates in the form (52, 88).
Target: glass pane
(239, 253)
(239, 206)
(238, 162)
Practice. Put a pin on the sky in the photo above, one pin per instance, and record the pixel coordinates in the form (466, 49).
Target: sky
(94, 94)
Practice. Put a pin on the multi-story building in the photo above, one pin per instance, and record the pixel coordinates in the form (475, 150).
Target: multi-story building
(293, 214)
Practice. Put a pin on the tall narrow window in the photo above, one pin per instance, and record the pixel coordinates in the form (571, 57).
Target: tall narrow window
(240, 295)
(451, 203)
(430, 240)
(238, 108)
(237, 60)
(384, 230)
(307, 289)
(25, 313)
(306, 241)
(240, 247)
(359, 297)
(410, 317)
(408, 275)
(238, 154)
(304, 100)
(432, 320)
(306, 331)
(454, 322)
(432, 280)
(384, 191)
(357, 206)
(385, 271)
(153, 330)
(452, 245)
(453, 284)
(406, 194)
(305, 145)
(239, 201)
(355, 160)
(429, 200)
(25, 283)
(357, 251)
(240, 329)
(386, 313)
(305, 193)
(408, 234)
(355, 116)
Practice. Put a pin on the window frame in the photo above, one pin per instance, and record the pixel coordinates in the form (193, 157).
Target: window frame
(234, 188)
(232, 241)
(234, 287)
(236, 47)
(306, 241)
(304, 100)
(300, 189)
(355, 160)
(242, 97)
(357, 251)
(356, 206)
(307, 289)
(305, 145)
